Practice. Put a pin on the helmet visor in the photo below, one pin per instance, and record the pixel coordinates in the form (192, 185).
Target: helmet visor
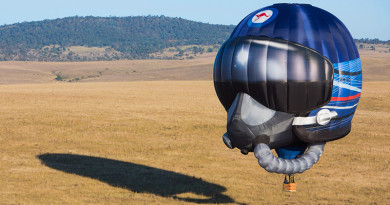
(281, 75)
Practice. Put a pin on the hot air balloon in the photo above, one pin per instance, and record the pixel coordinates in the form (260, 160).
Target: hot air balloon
(290, 79)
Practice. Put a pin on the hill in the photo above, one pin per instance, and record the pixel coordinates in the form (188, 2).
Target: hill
(105, 38)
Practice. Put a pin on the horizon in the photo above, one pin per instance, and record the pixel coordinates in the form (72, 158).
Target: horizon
(145, 16)
(216, 12)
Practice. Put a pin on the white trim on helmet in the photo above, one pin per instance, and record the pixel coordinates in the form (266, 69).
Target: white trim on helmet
(339, 107)
(323, 117)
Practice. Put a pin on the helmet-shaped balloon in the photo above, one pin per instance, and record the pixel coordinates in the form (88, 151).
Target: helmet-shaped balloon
(290, 78)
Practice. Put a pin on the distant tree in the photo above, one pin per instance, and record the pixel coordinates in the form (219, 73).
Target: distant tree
(361, 46)
(197, 49)
(372, 48)
(209, 50)
(201, 50)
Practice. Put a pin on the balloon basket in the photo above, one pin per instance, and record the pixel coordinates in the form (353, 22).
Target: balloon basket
(289, 184)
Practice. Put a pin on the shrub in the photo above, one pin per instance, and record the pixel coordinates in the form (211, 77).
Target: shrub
(59, 78)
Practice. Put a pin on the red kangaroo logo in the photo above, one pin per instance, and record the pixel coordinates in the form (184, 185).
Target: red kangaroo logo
(261, 15)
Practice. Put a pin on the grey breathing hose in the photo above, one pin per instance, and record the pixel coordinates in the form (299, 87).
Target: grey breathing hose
(288, 166)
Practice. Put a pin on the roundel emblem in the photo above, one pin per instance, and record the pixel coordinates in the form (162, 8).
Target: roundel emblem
(263, 17)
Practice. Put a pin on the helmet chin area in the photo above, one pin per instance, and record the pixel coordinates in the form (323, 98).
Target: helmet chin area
(248, 119)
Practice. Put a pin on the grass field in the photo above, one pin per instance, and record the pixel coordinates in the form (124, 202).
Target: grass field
(149, 132)
(159, 142)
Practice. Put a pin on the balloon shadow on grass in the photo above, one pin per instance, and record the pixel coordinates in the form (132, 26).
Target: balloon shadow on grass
(136, 177)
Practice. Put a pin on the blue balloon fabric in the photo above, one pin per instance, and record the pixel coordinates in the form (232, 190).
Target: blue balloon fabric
(315, 29)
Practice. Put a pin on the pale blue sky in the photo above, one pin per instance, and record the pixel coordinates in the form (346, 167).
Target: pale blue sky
(375, 24)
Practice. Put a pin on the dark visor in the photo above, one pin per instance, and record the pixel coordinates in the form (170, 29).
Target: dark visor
(281, 75)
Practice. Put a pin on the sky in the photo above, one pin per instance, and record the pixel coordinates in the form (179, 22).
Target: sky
(363, 18)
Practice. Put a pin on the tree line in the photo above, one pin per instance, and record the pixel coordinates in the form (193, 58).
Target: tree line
(372, 41)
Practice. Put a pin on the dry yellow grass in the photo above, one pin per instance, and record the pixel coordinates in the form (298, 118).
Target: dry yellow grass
(19, 72)
(151, 142)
